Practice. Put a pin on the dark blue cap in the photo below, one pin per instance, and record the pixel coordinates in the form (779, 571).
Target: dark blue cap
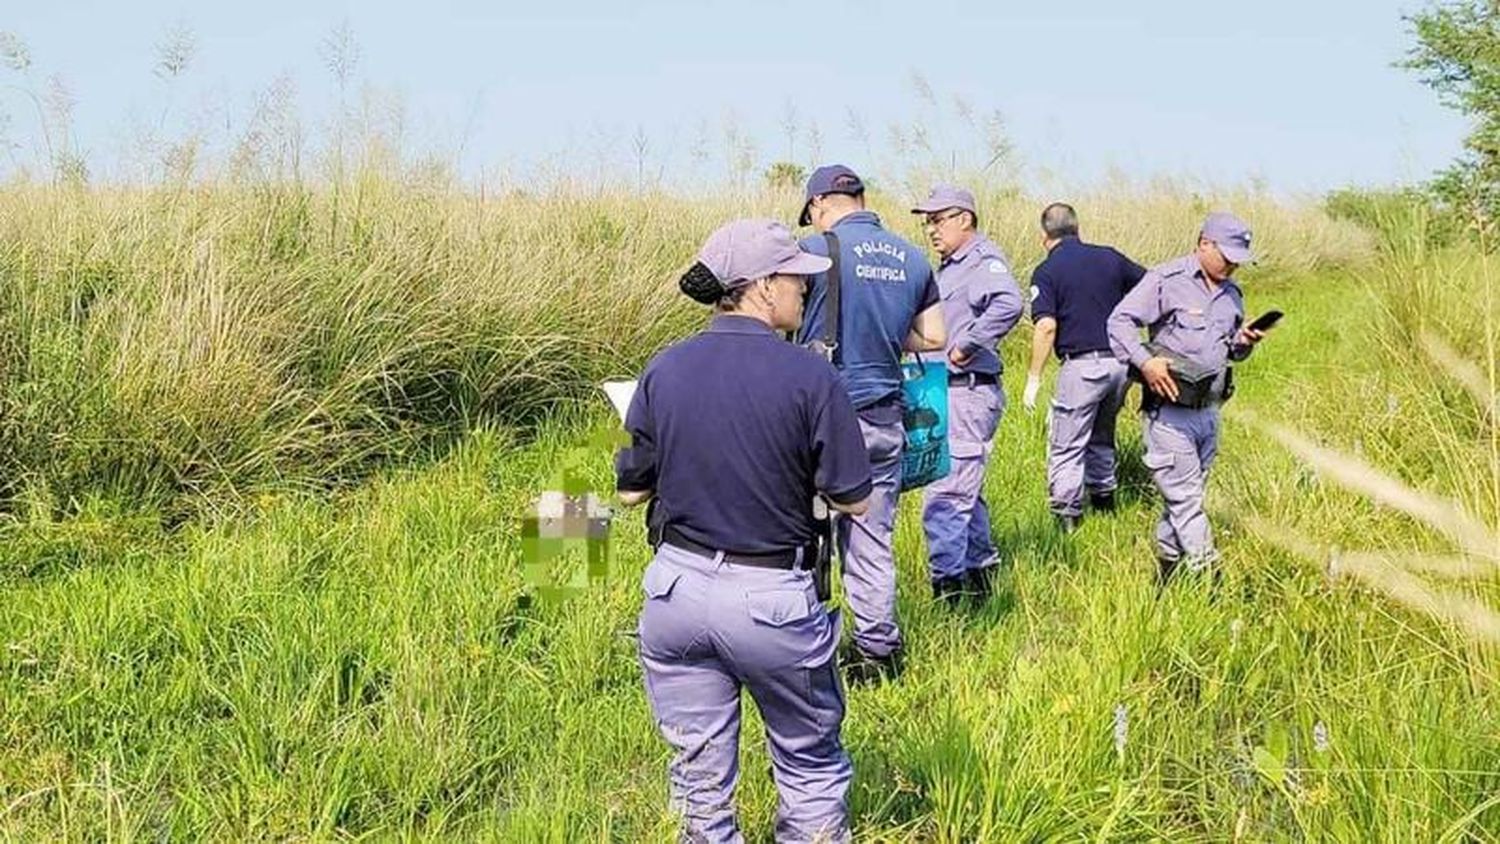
(830, 178)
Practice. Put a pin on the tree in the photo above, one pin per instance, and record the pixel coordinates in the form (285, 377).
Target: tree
(1458, 55)
(785, 175)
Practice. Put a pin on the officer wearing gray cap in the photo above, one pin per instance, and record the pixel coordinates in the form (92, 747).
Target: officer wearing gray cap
(981, 304)
(732, 431)
(1193, 312)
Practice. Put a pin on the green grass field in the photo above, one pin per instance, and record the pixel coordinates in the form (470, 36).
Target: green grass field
(265, 583)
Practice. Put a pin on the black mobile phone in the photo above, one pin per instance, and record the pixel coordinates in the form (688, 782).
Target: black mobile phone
(1265, 321)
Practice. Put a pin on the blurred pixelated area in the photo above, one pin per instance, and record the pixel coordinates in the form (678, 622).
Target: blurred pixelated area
(565, 535)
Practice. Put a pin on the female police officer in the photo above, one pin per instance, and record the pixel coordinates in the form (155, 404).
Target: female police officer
(733, 431)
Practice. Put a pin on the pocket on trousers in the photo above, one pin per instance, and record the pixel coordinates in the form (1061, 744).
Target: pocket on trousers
(885, 443)
(778, 607)
(658, 581)
(1099, 370)
(1156, 461)
(1069, 393)
(664, 630)
(820, 668)
(826, 694)
(962, 449)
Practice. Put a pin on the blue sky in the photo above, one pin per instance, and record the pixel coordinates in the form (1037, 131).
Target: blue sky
(1298, 95)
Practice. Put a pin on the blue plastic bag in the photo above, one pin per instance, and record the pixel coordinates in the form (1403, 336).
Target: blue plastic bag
(924, 388)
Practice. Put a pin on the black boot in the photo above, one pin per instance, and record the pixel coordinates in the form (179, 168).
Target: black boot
(1103, 502)
(981, 582)
(949, 589)
(1165, 568)
(861, 668)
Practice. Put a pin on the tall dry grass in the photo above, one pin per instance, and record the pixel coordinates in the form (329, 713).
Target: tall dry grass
(185, 344)
(1433, 455)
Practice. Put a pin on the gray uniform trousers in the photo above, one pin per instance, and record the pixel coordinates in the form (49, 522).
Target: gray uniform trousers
(708, 628)
(1181, 444)
(869, 562)
(955, 515)
(1081, 440)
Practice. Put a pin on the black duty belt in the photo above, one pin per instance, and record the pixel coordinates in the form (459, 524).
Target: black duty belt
(969, 379)
(774, 560)
(1095, 353)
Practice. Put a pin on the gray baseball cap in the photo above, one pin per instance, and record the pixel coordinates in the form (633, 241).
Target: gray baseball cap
(944, 197)
(1231, 235)
(745, 250)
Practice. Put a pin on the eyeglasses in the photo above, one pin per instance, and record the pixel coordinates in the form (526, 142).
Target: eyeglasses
(935, 220)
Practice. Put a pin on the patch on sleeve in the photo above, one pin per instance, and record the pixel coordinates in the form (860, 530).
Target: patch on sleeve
(997, 267)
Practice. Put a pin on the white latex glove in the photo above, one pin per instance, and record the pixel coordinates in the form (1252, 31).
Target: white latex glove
(1033, 386)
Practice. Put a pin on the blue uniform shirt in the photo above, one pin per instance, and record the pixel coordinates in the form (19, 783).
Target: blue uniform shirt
(885, 281)
(735, 428)
(1079, 285)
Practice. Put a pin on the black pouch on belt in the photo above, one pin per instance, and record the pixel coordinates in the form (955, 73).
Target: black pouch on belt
(823, 567)
(823, 542)
(1195, 383)
(1150, 401)
(1195, 393)
(656, 519)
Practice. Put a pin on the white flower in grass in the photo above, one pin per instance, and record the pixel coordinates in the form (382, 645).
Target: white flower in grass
(1122, 728)
(1320, 737)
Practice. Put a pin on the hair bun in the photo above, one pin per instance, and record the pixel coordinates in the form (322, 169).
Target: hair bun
(701, 285)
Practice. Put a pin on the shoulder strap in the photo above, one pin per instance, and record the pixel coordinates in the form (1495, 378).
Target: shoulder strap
(831, 312)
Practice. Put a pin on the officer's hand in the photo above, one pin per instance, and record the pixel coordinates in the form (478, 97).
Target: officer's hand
(1033, 386)
(635, 497)
(958, 358)
(1158, 376)
(1249, 336)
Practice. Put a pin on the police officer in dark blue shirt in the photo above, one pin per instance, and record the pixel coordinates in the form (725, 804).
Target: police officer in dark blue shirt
(1073, 292)
(888, 303)
(734, 431)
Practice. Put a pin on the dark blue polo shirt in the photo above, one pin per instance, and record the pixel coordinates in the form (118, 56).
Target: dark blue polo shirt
(735, 428)
(884, 282)
(1078, 285)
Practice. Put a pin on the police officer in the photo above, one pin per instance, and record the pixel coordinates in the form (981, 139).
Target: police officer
(888, 302)
(1073, 292)
(732, 431)
(981, 304)
(1194, 313)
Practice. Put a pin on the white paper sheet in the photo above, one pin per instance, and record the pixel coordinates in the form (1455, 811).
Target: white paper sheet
(620, 393)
